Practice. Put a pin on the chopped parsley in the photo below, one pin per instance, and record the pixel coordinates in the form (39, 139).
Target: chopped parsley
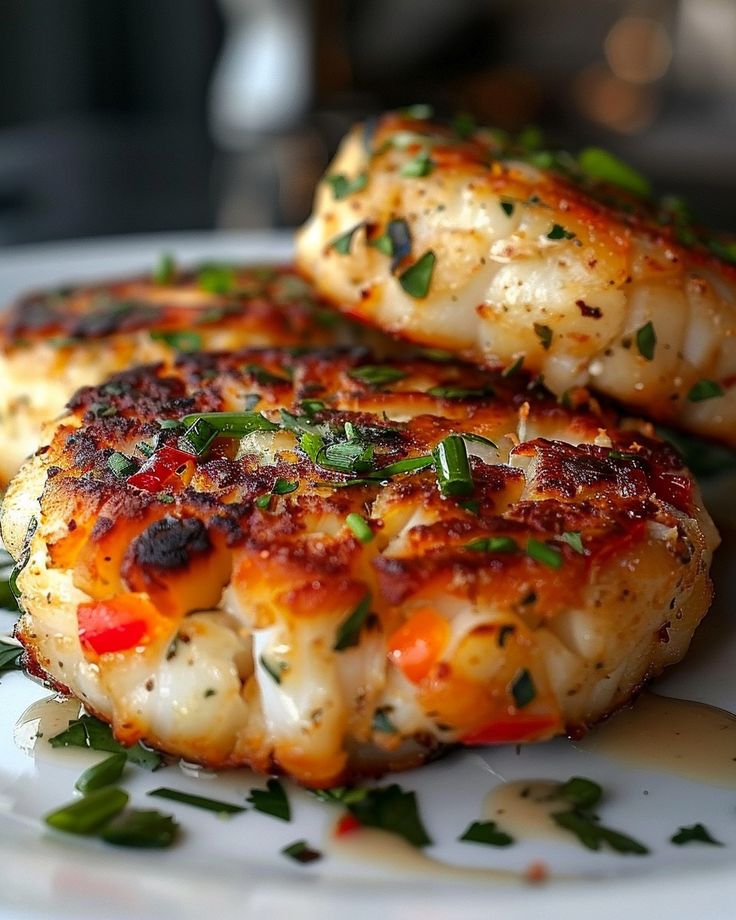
(507, 207)
(10, 653)
(377, 375)
(493, 545)
(165, 270)
(341, 244)
(599, 164)
(523, 689)
(417, 279)
(573, 540)
(301, 852)
(395, 242)
(646, 341)
(450, 392)
(273, 669)
(181, 340)
(704, 389)
(342, 187)
(91, 733)
(271, 801)
(486, 832)
(391, 809)
(696, 833)
(544, 334)
(419, 166)
(216, 279)
(382, 722)
(558, 232)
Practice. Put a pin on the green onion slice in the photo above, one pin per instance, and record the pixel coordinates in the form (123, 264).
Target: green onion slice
(453, 467)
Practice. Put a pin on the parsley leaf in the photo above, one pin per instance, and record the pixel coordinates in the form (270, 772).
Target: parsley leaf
(391, 809)
(704, 389)
(348, 632)
(544, 334)
(558, 232)
(182, 340)
(91, 733)
(591, 834)
(301, 852)
(696, 833)
(341, 244)
(417, 279)
(646, 340)
(342, 187)
(9, 655)
(487, 832)
(271, 801)
(573, 540)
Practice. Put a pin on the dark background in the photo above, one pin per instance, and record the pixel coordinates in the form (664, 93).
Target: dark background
(121, 116)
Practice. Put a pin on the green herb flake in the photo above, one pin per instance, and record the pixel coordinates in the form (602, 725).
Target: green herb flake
(165, 270)
(340, 795)
(574, 541)
(342, 187)
(391, 809)
(273, 669)
(696, 833)
(197, 801)
(271, 801)
(90, 813)
(10, 653)
(377, 375)
(382, 722)
(581, 792)
(141, 829)
(348, 632)
(105, 773)
(417, 279)
(544, 553)
(507, 207)
(301, 852)
(216, 279)
(419, 111)
(705, 389)
(464, 125)
(592, 834)
(487, 832)
(558, 232)
(544, 334)
(341, 244)
(601, 165)
(450, 392)
(504, 634)
(360, 527)
(513, 368)
(452, 466)
(88, 732)
(419, 166)
(646, 341)
(198, 437)
(493, 545)
(231, 424)
(121, 465)
(523, 689)
(181, 340)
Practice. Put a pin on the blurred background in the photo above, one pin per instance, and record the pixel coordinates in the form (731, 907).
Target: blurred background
(121, 116)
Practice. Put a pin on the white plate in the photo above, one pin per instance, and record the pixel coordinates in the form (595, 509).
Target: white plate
(233, 868)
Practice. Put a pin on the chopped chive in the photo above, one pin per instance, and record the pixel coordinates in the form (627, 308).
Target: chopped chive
(419, 166)
(696, 833)
(265, 377)
(646, 340)
(348, 632)
(622, 455)
(341, 244)
(197, 801)
(144, 829)
(346, 457)
(507, 207)
(271, 801)
(377, 375)
(121, 465)
(102, 774)
(301, 852)
(453, 467)
(417, 279)
(486, 832)
(88, 814)
(232, 424)
(310, 406)
(478, 438)
(704, 389)
(216, 279)
(198, 437)
(263, 501)
(544, 553)
(360, 527)
(409, 465)
(573, 540)
(183, 340)
(493, 545)
(558, 232)
(604, 166)
(342, 187)
(460, 392)
(523, 689)
(544, 334)
(284, 486)
(165, 270)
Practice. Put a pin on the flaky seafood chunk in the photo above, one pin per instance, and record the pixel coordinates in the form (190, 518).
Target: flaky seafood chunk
(54, 341)
(463, 240)
(328, 566)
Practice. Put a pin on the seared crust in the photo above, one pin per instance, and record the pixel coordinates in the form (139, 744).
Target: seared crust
(247, 655)
(54, 341)
(588, 284)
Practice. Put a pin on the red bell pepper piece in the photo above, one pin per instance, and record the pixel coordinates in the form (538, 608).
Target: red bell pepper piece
(346, 825)
(512, 729)
(160, 468)
(115, 625)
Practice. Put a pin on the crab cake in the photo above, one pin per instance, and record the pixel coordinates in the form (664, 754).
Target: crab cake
(326, 566)
(53, 342)
(467, 241)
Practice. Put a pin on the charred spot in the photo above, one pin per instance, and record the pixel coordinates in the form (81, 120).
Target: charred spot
(111, 317)
(587, 310)
(170, 543)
